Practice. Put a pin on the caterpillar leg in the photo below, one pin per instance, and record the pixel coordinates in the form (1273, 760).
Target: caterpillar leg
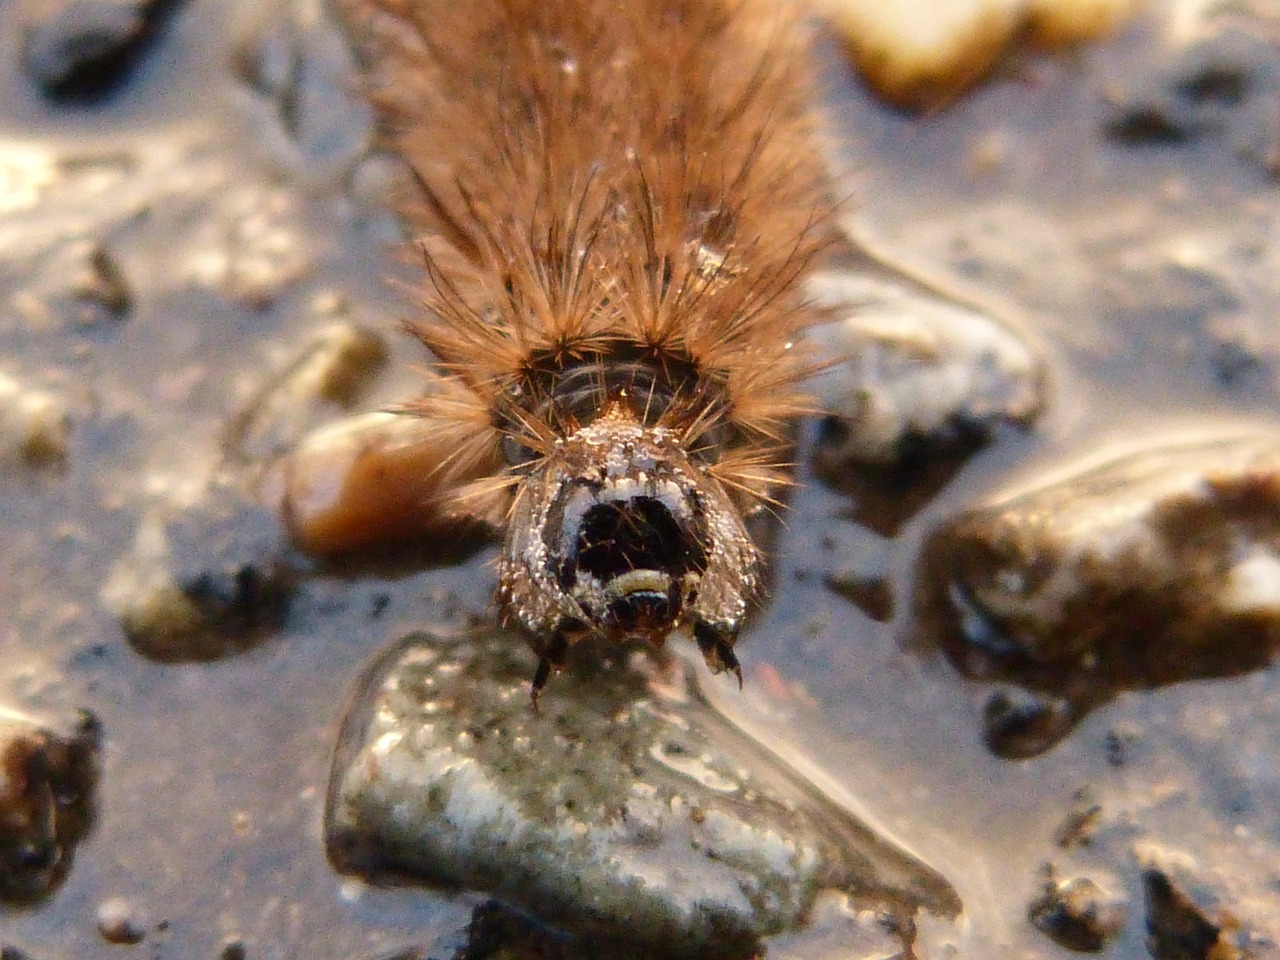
(716, 644)
(553, 657)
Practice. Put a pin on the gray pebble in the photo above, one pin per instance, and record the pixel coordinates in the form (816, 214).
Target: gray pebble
(203, 582)
(623, 810)
(920, 373)
(84, 49)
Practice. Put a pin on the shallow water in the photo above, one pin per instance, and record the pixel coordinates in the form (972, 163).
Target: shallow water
(1130, 266)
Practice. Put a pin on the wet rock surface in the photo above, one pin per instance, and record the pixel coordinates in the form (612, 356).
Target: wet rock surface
(1160, 566)
(623, 809)
(296, 65)
(48, 774)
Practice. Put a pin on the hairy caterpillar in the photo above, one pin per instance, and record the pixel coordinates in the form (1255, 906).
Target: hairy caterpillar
(616, 201)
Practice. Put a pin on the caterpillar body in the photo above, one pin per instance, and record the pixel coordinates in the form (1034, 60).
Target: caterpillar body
(615, 203)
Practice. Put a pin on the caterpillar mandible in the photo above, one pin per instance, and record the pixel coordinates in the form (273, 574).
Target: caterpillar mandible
(615, 202)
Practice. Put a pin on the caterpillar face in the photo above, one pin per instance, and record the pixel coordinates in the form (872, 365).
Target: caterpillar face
(616, 533)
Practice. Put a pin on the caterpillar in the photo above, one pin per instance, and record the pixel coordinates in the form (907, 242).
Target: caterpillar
(614, 203)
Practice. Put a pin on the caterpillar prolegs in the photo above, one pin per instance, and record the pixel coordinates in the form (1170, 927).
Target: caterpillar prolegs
(615, 203)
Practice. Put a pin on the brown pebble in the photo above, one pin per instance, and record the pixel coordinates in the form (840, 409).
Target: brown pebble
(923, 53)
(117, 924)
(1077, 914)
(102, 283)
(363, 482)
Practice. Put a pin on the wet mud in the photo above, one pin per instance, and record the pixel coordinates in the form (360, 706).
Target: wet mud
(195, 250)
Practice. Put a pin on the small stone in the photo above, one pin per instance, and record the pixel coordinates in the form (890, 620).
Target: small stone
(624, 809)
(233, 950)
(48, 775)
(1080, 826)
(1023, 723)
(1158, 566)
(1195, 912)
(84, 49)
(1235, 364)
(1177, 928)
(922, 53)
(371, 481)
(1215, 82)
(117, 922)
(202, 582)
(35, 426)
(1121, 742)
(102, 288)
(1149, 125)
(1078, 914)
(919, 374)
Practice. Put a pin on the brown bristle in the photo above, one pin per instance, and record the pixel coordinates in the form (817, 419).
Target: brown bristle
(615, 202)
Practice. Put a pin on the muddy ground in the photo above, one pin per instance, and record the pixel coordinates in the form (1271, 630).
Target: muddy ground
(170, 248)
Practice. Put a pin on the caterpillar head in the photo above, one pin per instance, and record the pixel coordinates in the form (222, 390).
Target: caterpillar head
(617, 534)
